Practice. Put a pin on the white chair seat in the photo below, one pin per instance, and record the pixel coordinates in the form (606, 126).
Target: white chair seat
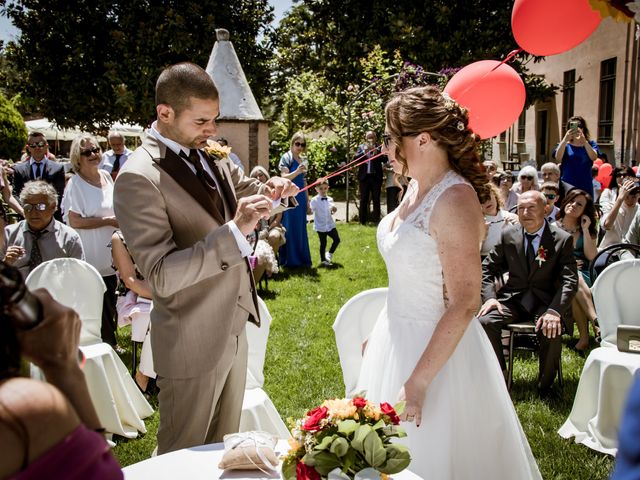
(607, 374)
(118, 402)
(352, 326)
(258, 411)
(605, 381)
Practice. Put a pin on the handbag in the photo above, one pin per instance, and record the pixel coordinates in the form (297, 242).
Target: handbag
(628, 338)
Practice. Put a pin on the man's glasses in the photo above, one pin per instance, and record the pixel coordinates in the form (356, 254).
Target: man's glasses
(526, 177)
(41, 207)
(37, 144)
(90, 151)
(299, 144)
(550, 196)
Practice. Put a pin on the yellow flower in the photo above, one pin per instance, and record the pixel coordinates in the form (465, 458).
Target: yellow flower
(372, 411)
(214, 148)
(294, 444)
(340, 407)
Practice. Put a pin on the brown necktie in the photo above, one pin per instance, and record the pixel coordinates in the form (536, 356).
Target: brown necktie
(36, 256)
(207, 181)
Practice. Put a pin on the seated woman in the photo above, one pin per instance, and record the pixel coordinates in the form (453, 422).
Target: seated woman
(616, 223)
(133, 307)
(527, 180)
(610, 194)
(577, 216)
(508, 196)
(495, 219)
(48, 430)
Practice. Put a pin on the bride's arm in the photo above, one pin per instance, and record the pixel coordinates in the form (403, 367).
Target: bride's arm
(456, 224)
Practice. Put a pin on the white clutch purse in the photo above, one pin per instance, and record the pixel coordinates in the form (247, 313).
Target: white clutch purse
(250, 451)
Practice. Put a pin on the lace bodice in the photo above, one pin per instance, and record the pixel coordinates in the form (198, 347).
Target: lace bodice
(416, 291)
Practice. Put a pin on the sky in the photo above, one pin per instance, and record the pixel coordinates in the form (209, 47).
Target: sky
(9, 32)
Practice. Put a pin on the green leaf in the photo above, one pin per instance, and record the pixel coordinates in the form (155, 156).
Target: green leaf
(325, 443)
(394, 431)
(379, 424)
(399, 407)
(374, 452)
(347, 426)
(323, 462)
(289, 469)
(340, 446)
(398, 458)
(349, 460)
(358, 438)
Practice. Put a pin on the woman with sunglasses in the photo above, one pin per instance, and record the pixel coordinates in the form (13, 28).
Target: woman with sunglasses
(427, 348)
(577, 216)
(88, 207)
(576, 153)
(527, 180)
(295, 252)
(609, 195)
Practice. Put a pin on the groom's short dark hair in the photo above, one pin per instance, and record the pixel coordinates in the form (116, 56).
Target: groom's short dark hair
(178, 83)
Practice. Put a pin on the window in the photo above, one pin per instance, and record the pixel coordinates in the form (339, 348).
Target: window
(503, 136)
(607, 96)
(568, 96)
(522, 124)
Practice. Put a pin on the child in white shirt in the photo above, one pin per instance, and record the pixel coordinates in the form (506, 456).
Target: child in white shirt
(323, 207)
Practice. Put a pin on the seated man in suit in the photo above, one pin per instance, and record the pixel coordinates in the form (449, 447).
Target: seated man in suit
(542, 282)
(39, 237)
(39, 167)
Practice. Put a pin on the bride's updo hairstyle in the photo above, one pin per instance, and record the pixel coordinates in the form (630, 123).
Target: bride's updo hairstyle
(426, 109)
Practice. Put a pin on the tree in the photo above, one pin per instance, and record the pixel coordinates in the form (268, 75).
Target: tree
(13, 132)
(92, 63)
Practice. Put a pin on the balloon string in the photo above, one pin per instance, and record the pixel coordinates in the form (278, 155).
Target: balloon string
(512, 54)
(355, 163)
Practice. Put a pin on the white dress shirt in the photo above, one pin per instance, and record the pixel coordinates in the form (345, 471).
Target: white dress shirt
(109, 157)
(243, 245)
(33, 166)
(322, 218)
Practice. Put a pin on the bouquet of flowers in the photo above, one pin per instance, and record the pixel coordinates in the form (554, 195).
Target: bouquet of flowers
(343, 437)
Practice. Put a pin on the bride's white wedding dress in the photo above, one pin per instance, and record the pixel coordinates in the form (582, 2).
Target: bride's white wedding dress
(469, 428)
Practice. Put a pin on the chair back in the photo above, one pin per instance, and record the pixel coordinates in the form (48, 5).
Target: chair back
(352, 326)
(75, 284)
(614, 296)
(257, 338)
(611, 254)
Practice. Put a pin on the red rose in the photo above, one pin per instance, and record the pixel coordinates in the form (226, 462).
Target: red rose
(388, 410)
(305, 472)
(359, 402)
(312, 423)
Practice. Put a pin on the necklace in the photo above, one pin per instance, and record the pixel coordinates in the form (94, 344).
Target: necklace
(95, 183)
(568, 230)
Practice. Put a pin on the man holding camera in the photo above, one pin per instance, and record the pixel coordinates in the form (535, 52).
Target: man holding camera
(39, 237)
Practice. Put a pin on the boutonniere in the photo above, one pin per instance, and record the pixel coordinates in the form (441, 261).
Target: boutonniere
(217, 150)
(541, 256)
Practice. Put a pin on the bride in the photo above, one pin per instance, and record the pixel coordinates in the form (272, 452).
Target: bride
(427, 348)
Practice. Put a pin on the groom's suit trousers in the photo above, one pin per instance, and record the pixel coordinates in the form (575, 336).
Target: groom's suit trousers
(187, 403)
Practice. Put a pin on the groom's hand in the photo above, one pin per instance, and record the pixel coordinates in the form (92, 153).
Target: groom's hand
(279, 187)
(489, 305)
(250, 210)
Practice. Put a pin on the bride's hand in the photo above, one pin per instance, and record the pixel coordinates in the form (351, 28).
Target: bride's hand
(413, 394)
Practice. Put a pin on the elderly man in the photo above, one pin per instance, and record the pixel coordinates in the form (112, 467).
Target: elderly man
(39, 237)
(114, 159)
(542, 282)
(38, 167)
(551, 173)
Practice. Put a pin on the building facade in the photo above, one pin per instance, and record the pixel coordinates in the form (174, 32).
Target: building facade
(598, 80)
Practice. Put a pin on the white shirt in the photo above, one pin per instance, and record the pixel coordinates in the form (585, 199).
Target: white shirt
(536, 241)
(322, 219)
(243, 245)
(620, 226)
(109, 157)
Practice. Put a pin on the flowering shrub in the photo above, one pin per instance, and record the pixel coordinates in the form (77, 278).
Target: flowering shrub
(347, 435)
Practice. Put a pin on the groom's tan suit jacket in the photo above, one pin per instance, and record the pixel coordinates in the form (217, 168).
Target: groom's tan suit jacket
(203, 289)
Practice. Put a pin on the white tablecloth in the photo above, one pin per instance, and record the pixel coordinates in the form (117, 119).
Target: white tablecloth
(604, 384)
(201, 463)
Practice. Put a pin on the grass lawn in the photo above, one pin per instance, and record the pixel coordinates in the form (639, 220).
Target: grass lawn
(302, 366)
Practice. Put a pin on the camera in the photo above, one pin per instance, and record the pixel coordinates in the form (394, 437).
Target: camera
(18, 303)
(573, 125)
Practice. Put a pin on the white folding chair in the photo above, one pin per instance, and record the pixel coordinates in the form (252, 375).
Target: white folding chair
(258, 411)
(118, 401)
(352, 326)
(607, 374)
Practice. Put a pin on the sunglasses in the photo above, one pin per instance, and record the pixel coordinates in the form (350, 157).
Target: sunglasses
(550, 196)
(41, 207)
(37, 144)
(620, 175)
(506, 179)
(298, 144)
(526, 177)
(90, 151)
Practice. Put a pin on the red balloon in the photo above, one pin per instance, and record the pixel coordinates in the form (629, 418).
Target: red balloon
(493, 93)
(604, 174)
(597, 161)
(548, 27)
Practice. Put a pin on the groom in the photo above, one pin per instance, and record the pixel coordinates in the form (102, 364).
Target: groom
(542, 281)
(185, 214)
